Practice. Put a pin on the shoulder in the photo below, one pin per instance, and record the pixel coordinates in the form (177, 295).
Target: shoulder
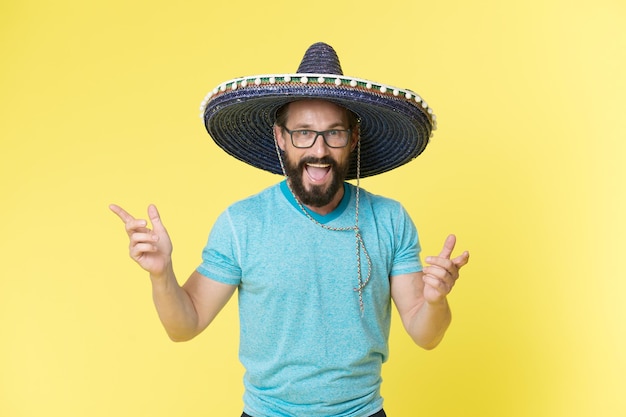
(256, 202)
(386, 213)
(375, 201)
(254, 212)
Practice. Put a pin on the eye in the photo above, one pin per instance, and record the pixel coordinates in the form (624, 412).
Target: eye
(304, 133)
(333, 132)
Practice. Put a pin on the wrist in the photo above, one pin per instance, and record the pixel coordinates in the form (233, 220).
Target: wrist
(163, 276)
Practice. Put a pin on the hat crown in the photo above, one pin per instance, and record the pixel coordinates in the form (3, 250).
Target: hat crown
(320, 58)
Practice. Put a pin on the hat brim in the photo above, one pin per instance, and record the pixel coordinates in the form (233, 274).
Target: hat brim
(394, 128)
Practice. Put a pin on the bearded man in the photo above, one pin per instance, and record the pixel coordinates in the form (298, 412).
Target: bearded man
(316, 261)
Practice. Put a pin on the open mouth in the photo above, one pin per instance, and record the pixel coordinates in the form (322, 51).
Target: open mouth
(317, 172)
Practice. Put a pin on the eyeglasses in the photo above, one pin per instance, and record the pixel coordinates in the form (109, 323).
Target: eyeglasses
(305, 138)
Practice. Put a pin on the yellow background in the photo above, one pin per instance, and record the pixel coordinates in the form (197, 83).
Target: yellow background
(99, 104)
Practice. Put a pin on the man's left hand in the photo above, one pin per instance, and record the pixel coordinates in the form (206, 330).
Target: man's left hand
(442, 272)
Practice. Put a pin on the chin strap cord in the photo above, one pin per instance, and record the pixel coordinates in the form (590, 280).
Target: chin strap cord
(360, 244)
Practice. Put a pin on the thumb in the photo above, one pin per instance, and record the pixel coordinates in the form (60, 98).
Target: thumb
(448, 247)
(462, 259)
(155, 219)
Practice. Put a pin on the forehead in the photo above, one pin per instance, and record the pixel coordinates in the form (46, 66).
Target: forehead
(316, 108)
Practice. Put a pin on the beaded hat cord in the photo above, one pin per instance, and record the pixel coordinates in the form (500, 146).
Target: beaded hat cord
(360, 244)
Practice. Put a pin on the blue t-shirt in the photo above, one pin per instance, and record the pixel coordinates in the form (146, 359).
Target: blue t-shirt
(307, 348)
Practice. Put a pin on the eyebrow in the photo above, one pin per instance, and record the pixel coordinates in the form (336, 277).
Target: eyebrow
(330, 127)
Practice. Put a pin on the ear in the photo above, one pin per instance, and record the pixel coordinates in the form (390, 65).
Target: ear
(356, 137)
(278, 137)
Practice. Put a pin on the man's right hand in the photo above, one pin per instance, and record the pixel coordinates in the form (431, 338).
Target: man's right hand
(150, 248)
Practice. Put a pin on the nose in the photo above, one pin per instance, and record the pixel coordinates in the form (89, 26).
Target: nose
(319, 147)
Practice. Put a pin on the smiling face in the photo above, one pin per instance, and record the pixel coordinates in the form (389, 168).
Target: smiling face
(316, 174)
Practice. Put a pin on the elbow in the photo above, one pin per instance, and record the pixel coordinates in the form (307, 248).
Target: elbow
(430, 345)
(179, 337)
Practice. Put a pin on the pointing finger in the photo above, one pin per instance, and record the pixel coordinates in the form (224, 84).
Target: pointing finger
(448, 247)
(132, 225)
(121, 213)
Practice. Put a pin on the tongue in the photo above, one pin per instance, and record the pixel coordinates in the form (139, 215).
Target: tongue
(317, 173)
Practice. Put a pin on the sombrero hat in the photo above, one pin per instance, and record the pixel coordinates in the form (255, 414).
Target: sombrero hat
(395, 124)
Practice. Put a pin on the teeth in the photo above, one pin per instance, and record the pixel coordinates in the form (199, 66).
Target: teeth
(319, 165)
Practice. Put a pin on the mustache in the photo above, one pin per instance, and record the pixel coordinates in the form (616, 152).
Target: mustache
(313, 160)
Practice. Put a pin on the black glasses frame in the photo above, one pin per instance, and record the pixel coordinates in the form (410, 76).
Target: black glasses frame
(319, 133)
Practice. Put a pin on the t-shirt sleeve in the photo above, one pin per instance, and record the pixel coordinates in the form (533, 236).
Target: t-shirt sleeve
(407, 251)
(220, 256)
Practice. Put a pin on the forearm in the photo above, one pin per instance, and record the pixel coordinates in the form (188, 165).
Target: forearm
(422, 297)
(174, 306)
(429, 323)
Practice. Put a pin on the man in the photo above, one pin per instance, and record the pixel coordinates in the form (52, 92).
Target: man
(316, 261)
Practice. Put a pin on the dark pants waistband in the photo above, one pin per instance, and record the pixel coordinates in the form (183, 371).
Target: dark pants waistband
(381, 413)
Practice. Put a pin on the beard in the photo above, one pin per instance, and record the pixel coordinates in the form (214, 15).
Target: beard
(317, 195)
